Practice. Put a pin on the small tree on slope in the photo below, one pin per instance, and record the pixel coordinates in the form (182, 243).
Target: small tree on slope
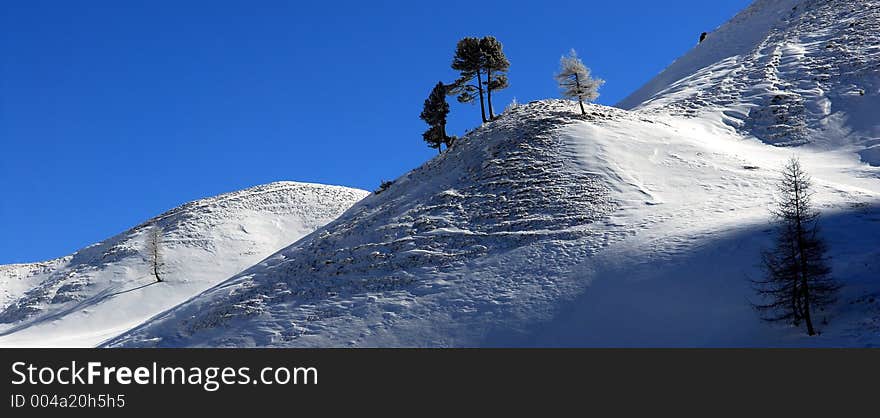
(434, 114)
(154, 250)
(575, 82)
(797, 282)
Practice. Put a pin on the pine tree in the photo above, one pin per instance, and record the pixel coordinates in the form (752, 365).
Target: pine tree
(575, 82)
(475, 58)
(495, 65)
(154, 250)
(433, 137)
(434, 114)
(468, 60)
(797, 282)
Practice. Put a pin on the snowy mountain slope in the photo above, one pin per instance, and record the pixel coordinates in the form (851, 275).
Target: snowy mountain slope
(545, 228)
(104, 289)
(430, 243)
(789, 72)
(17, 279)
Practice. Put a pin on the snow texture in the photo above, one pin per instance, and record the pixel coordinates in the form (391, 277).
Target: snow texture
(637, 227)
(786, 71)
(549, 229)
(109, 287)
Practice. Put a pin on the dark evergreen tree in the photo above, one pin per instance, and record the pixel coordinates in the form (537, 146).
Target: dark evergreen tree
(468, 61)
(434, 114)
(383, 185)
(433, 138)
(797, 283)
(495, 66)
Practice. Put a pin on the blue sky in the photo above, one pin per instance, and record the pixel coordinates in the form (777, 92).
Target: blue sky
(113, 112)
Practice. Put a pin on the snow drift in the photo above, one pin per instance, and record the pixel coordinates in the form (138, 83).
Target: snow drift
(106, 288)
(789, 72)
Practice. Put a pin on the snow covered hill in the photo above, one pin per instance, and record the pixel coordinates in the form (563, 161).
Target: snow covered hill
(104, 289)
(789, 72)
(546, 228)
(638, 227)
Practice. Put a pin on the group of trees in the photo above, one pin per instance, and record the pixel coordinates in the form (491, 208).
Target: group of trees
(483, 68)
(797, 283)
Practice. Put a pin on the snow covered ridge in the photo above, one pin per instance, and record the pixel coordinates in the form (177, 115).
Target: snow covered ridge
(789, 72)
(544, 228)
(435, 233)
(108, 287)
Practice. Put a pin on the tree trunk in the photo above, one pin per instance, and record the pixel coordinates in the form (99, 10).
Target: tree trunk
(154, 240)
(577, 82)
(480, 89)
(805, 287)
(156, 261)
(489, 92)
(795, 305)
(807, 318)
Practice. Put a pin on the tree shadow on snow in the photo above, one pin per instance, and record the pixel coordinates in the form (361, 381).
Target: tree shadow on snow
(697, 293)
(83, 304)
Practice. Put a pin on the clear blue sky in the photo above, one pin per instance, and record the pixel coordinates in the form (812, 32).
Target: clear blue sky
(112, 112)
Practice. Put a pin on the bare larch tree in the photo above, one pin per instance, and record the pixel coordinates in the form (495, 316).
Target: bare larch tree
(575, 81)
(797, 281)
(154, 250)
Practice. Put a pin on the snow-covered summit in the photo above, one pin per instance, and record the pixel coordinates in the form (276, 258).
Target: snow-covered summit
(789, 72)
(544, 227)
(106, 288)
